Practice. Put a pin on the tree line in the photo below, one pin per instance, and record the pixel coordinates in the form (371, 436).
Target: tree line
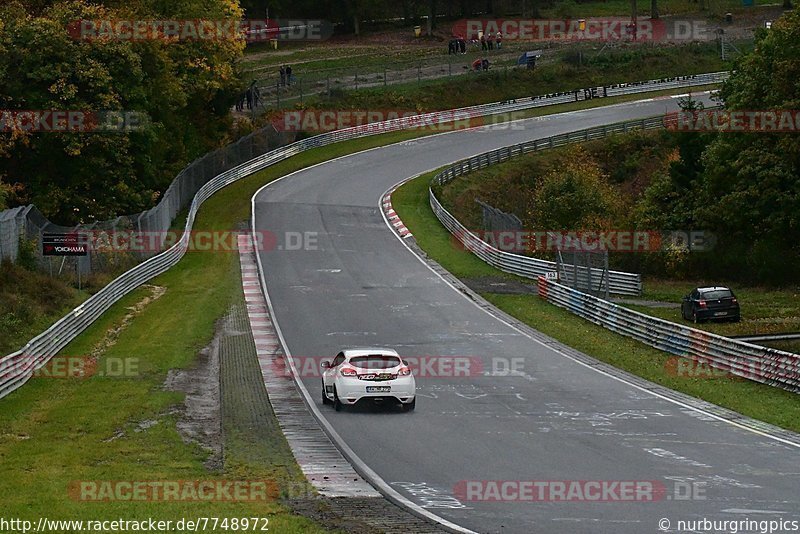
(185, 89)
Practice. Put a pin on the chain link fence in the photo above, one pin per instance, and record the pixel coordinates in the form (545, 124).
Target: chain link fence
(497, 220)
(17, 368)
(28, 223)
(278, 93)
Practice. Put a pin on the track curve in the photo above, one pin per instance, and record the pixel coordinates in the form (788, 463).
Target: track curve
(556, 420)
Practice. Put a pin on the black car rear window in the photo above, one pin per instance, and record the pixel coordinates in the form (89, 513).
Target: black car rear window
(375, 361)
(717, 294)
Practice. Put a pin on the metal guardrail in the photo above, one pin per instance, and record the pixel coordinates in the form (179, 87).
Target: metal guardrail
(620, 283)
(761, 364)
(788, 336)
(18, 367)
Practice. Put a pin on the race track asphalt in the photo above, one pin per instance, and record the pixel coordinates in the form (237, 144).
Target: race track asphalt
(554, 420)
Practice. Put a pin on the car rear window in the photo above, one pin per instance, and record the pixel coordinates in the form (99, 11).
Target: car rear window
(717, 294)
(375, 361)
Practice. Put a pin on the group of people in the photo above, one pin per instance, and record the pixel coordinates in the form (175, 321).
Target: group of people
(458, 45)
(488, 41)
(480, 64)
(286, 75)
(250, 98)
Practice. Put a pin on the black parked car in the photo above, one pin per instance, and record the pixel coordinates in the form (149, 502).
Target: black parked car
(710, 303)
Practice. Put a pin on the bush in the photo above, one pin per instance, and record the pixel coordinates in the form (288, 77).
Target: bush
(566, 9)
(26, 254)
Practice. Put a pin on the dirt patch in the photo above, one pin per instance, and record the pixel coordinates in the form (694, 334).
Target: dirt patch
(647, 303)
(199, 419)
(111, 336)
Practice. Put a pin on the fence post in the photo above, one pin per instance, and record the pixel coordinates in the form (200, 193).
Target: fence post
(328, 84)
(356, 78)
(419, 71)
(278, 97)
(384, 76)
(301, 91)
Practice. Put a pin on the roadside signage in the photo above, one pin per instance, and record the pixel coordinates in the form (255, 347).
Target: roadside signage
(72, 244)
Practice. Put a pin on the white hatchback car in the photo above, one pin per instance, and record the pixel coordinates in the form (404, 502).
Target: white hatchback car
(375, 374)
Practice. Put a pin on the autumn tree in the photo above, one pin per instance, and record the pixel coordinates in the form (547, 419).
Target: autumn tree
(185, 88)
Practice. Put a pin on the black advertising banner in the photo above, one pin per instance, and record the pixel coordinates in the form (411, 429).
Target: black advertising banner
(73, 244)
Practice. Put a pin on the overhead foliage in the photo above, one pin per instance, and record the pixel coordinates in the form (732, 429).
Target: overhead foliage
(574, 196)
(744, 186)
(185, 88)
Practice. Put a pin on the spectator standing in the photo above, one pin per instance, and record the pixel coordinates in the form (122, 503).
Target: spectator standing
(490, 41)
(499, 40)
(283, 75)
(289, 76)
(483, 42)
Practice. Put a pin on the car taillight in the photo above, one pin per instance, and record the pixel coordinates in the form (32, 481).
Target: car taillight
(404, 371)
(702, 303)
(348, 371)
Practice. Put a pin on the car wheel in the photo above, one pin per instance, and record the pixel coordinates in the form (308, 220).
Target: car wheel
(410, 406)
(337, 404)
(325, 399)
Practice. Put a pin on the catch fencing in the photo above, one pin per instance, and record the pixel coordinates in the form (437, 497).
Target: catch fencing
(18, 367)
(497, 220)
(761, 364)
(28, 222)
(280, 93)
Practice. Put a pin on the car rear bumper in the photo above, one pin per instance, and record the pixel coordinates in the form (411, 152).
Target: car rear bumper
(718, 315)
(351, 391)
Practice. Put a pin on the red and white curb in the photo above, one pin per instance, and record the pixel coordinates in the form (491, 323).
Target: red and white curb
(320, 460)
(393, 217)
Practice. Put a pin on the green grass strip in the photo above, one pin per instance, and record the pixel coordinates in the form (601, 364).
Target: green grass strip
(54, 433)
(769, 404)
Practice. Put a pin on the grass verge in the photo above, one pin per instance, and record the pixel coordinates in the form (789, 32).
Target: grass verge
(565, 70)
(56, 432)
(766, 403)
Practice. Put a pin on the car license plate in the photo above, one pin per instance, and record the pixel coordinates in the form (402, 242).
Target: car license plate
(717, 314)
(385, 376)
(376, 389)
